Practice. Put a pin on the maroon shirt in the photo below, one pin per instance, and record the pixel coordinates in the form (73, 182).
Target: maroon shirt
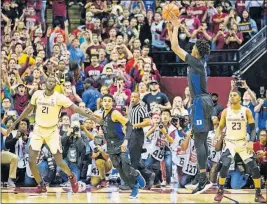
(220, 42)
(94, 49)
(31, 21)
(200, 11)
(94, 73)
(20, 102)
(216, 25)
(59, 8)
(257, 146)
(240, 7)
(235, 45)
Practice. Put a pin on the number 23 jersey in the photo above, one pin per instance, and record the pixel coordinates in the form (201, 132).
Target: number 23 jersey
(236, 124)
(48, 107)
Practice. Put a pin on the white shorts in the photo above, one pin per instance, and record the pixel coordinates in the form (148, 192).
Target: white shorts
(44, 135)
(237, 146)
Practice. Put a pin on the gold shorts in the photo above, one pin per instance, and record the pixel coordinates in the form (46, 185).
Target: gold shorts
(49, 136)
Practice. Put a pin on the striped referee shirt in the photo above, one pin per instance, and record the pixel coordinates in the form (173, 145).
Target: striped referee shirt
(137, 114)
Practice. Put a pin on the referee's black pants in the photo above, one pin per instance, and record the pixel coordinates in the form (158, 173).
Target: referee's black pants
(135, 147)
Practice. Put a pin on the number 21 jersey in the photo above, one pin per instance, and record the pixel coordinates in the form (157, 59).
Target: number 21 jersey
(236, 124)
(48, 107)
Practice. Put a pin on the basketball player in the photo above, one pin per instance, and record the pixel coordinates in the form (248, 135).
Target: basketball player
(117, 142)
(47, 105)
(235, 118)
(202, 103)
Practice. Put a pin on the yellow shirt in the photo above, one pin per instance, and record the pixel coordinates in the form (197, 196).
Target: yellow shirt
(48, 107)
(23, 58)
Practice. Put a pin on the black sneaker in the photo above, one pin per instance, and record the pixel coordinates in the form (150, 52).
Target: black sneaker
(124, 187)
(202, 187)
(193, 184)
(151, 181)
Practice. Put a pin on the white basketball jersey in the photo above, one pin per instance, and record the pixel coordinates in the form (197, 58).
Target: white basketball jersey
(159, 142)
(178, 155)
(190, 166)
(213, 154)
(236, 124)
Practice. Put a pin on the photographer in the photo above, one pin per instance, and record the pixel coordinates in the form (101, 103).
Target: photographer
(73, 150)
(16, 142)
(178, 155)
(159, 147)
(46, 165)
(101, 163)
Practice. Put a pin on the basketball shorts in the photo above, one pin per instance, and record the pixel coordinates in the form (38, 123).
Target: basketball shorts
(201, 114)
(237, 146)
(49, 136)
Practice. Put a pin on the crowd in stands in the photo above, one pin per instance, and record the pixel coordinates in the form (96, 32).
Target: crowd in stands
(110, 53)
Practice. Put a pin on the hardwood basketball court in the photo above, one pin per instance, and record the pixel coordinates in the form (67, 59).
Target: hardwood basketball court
(113, 195)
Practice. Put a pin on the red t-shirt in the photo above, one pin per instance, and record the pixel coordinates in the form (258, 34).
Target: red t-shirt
(191, 23)
(129, 65)
(200, 11)
(235, 45)
(257, 146)
(59, 8)
(216, 25)
(220, 42)
(21, 102)
(240, 6)
(94, 73)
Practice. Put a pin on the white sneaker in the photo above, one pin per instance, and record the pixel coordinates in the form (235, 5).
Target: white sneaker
(163, 183)
(66, 184)
(10, 183)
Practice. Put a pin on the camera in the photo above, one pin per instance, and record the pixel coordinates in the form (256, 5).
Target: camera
(161, 125)
(76, 129)
(177, 118)
(238, 81)
(98, 140)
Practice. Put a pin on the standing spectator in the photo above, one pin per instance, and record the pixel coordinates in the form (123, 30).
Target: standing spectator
(59, 12)
(178, 107)
(234, 38)
(247, 35)
(156, 28)
(218, 18)
(255, 9)
(201, 11)
(94, 70)
(261, 108)
(156, 98)
(240, 7)
(217, 107)
(90, 95)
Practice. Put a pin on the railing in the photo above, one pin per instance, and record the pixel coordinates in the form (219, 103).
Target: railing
(220, 62)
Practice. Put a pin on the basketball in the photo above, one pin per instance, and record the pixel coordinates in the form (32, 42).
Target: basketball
(168, 9)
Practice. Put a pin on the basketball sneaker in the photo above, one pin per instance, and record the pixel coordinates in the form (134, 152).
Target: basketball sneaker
(193, 184)
(259, 198)
(74, 184)
(40, 190)
(219, 195)
(140, 180)
(135, 192)
(202, 186)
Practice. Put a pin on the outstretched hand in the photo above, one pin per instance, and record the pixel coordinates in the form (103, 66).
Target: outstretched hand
(176, 22)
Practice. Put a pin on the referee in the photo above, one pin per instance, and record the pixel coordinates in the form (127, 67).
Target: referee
(139, 118)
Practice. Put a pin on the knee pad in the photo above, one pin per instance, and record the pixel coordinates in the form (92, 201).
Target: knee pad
(254, 168)
(225, 164)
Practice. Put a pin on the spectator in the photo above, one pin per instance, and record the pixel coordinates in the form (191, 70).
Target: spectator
(94, 70)
(248, 34)
(178, 107)
(218, 18)
(90, 95)
(73, 150)
(217, 107)
(156, 28)
(261, 108)
(156, 98)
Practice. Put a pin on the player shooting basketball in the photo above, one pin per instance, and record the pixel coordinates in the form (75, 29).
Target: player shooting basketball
(202, 103)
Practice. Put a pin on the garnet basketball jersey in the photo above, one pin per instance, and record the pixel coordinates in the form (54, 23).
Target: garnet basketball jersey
(236, 124)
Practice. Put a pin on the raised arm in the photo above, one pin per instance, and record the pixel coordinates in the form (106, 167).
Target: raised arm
(174, 38)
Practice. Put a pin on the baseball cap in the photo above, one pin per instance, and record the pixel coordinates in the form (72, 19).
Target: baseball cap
(153, 81)
(88, 81)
